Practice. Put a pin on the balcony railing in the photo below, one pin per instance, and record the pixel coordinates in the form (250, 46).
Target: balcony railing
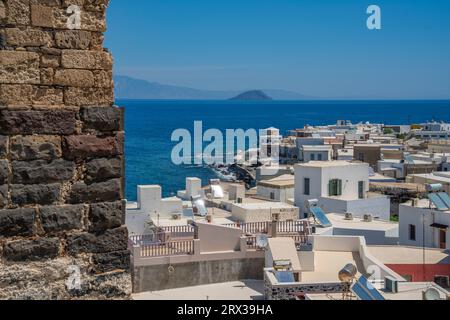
(172, 248)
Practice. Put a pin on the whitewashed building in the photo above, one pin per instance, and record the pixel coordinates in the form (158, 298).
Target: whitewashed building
(340, 187)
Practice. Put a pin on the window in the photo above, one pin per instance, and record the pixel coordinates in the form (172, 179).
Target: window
(319, 157)
(272, 196)
(335, 188)
(307, 187)
(361, 189)
(312, 157)
(412, 232)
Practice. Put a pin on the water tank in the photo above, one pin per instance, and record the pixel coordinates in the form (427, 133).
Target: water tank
(348, 272)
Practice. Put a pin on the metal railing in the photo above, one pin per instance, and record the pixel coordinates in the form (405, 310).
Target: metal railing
(172, 248)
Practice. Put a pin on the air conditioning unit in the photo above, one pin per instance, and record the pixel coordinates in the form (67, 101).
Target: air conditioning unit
(391, 284)
(368, 218)
(349, 216)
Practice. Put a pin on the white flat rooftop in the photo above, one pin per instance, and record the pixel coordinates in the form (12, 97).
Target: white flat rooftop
(409, 255)
(239, 290)
(265, 205)
(328, 264)
(329, 164)
(338, 221)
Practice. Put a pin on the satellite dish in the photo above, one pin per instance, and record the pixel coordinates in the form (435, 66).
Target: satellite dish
(431, 294)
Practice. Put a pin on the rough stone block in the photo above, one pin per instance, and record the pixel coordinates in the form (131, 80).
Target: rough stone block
(41, 171)
(49, 61)
(103, 169)
(3, 196)
(85, 59)
(17, 222)
(32, 250)
(28, 37)
(111, 261)
(107, 215)
(73, 39)
(89, 146)
(3, 146)
(26, 95)
(18, 12)
(96, 5)
(74, 78)
(27, 148)
(101, 118)
(110, 241)
(109, 191)
(43, 194)
(19, 67)
(61, 218)
(4, 171)
(27, 122)
(75, 96)
(103, 79)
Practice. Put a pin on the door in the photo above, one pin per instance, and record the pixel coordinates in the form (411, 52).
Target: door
(442, 239)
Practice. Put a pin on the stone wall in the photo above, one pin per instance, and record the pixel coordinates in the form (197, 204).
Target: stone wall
(61, 154)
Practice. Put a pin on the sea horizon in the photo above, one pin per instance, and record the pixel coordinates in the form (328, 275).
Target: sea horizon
(150, 123)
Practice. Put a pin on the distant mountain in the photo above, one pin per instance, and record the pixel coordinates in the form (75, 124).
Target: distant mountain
(130, 88)
(252, 95)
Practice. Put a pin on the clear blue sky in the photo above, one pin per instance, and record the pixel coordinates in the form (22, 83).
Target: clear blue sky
(315, 47)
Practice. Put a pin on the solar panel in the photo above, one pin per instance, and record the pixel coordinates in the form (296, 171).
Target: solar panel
(200, 205)
(365, 290)
(321, 217)
(285, 276)
(445, 198)
(437, 201)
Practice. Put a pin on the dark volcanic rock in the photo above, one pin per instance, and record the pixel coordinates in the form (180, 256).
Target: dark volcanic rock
(3, 146)
(62, 218)
(27, 122)
(35, 147)
(46, 194)
(88, 146)
(103, 216)
(101, 118)
(17, 222)
(3, 196)
(110, 241)
(97, 192)
(40, 171)
(103, 169)
(4, 171)
(32, 250)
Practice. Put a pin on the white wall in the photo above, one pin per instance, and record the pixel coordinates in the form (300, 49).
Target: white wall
(281, 195)
(422, 218)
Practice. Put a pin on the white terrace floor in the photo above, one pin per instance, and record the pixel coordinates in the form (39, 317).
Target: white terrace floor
(239, 290)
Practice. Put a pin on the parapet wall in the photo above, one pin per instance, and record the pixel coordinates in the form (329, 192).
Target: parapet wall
(61, 154)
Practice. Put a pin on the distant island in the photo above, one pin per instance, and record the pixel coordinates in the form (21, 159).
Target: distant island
(252, 95)
(131, 88)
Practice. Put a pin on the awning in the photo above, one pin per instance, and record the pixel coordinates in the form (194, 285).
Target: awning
(439, 226)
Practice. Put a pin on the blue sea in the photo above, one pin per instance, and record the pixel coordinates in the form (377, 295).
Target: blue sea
(149, 126)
